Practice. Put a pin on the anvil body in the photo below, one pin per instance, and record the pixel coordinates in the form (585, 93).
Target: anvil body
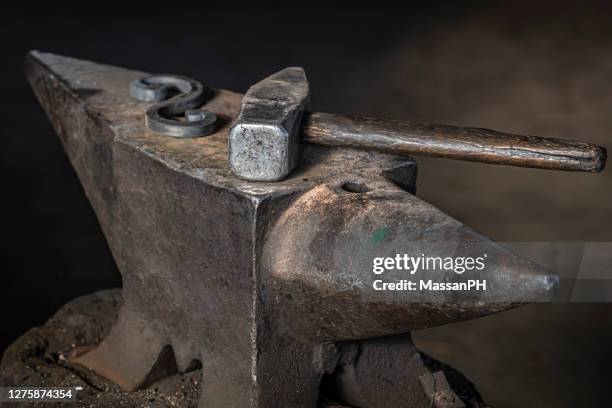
(260, 282)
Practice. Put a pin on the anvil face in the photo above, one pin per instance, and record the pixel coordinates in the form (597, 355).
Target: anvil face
(248, 278)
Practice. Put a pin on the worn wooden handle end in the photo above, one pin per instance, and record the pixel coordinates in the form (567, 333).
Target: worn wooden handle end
(453, 142)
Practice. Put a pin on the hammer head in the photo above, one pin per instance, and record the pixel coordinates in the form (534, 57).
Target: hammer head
(265, 137)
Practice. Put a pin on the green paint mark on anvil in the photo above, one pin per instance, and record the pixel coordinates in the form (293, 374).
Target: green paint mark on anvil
(380, 235)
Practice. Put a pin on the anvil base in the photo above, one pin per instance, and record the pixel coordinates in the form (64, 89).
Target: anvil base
(39, 359)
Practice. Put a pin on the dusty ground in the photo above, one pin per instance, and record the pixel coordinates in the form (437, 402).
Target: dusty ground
(39, 359)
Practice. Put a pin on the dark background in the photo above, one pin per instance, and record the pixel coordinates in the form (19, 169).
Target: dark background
(535, 68)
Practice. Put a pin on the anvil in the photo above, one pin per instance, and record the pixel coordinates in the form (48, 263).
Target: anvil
(267, 285)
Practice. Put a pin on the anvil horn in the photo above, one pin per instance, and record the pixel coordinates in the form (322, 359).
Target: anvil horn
(257, 281)
(321, 252)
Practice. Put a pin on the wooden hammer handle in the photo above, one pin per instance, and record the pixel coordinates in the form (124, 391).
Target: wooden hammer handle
(452, 142)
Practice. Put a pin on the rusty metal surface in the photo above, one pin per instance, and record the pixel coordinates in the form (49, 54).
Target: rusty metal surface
(244, 277)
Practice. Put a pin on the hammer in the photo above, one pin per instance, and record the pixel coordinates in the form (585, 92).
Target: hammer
(264, 139)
